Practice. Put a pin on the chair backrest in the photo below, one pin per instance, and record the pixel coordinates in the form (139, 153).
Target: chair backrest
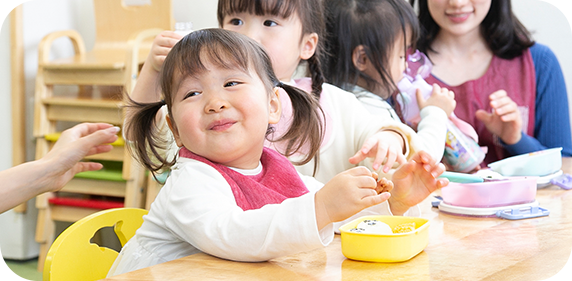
(73, 257)
(116, 22)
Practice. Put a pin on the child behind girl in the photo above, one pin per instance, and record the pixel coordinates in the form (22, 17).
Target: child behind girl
(291, 31)
(369, 59)
(228, 195)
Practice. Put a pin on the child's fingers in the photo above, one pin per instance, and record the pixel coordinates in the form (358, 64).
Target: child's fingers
(391, 157)
(422, 157)
(381, 154)
(362, 153)
(401, 159)
(442, 182)
(376, 199)
(359, 171)
(437, 170)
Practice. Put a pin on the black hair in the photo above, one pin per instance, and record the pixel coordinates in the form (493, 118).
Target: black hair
(504, 34)
(373, 24)
(229, 50)
(310, 13)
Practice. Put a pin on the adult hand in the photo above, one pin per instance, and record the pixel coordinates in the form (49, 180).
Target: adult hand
(385, 146)
(62, 161)
(504, 121)
(414, 181)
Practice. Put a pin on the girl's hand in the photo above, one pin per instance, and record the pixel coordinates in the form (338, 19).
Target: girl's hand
(414, 181)
(346, 194)
(162, 45)
(384, 145)
(440, 97)
(505, 120)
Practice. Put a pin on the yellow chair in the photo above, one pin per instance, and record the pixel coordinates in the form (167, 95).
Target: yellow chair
(73, 257)
(96, 80)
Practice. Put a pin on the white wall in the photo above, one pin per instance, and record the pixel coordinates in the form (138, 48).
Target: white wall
(5, 117)
(41, 17)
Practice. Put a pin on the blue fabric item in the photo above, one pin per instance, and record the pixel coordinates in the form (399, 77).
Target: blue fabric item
(552, 121)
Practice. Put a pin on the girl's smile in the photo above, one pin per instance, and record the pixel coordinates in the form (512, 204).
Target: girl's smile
(221, 125)
(218, 112)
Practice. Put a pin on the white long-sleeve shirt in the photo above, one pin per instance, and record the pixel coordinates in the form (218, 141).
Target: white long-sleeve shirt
(196, 212)
(431, 130)
(348, 125)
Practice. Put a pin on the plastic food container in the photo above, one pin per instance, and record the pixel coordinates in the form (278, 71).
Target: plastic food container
(395, 247)
(493, 193)
(539, 163)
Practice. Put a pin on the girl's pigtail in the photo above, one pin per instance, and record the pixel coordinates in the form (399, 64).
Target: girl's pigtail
(146, 136)
(306, 130)
(315, 69)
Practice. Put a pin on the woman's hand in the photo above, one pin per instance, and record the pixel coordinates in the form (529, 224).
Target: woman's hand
(63, 161)
(505, 120)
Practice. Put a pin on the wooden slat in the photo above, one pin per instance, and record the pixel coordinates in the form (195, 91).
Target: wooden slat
(96, 187)
(18, 95)
(84, 77)
(70, 214)
(78, 110)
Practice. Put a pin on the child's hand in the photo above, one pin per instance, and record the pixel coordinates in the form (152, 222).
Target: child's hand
(346, 194)
(162, 45)
(505, 120)
(384, 145)
(383, 184)
(440, 97)
(414, 181)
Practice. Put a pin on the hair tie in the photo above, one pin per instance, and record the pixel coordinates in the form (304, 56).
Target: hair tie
(163, 102)
(280, 84)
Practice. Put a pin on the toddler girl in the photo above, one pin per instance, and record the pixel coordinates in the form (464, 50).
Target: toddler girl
(369, 60)
(227, 194)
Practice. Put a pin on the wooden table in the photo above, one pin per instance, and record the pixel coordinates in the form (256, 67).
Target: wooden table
(460, 248)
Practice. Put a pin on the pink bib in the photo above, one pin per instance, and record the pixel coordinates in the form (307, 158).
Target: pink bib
(277, 181)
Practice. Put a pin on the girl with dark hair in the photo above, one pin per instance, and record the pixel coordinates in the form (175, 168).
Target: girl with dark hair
(227, 194)
(509, 88)
(291, 31)
(369, 60)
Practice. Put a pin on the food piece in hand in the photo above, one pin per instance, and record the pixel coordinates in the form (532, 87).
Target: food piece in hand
(383, 184)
